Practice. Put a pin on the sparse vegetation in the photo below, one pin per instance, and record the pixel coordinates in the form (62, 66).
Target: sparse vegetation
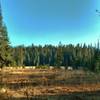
(34, 83)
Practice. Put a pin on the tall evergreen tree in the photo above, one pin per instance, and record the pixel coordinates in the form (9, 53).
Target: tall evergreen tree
(5, 55)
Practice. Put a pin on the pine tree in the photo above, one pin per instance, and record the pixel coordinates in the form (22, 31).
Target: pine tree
(5, 55)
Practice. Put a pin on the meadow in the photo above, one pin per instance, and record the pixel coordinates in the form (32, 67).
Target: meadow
(48, 84)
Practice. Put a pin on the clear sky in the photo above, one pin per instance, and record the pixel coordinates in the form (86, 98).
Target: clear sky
(50, 21)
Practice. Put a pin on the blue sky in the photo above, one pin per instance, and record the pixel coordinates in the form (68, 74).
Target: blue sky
(50, 21)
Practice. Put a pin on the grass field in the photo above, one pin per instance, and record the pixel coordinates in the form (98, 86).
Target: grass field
(46, 84)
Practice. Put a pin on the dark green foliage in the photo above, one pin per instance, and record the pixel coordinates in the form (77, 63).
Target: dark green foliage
(79, 56)
(5, 55)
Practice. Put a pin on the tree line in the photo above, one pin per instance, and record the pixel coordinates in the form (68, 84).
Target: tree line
(79, 56)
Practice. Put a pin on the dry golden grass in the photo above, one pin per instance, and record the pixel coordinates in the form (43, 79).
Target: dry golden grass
(32, 82)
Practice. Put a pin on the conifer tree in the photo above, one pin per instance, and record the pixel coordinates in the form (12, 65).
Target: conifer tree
(5, 55)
